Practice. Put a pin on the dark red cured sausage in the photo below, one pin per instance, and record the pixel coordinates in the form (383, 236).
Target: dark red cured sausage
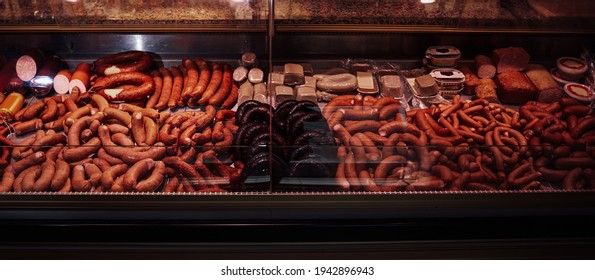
(130, 61)
(29, 63)
(106, 86)
(9, 81)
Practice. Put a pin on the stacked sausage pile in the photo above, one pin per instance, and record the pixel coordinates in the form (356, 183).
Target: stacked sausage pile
(198, 143)
(89, 153)
(375, 155)
(193, 83)
(91, 142)
(561, 137)
(119, 149)
(122, 77)
(45, 114)
(450, 147)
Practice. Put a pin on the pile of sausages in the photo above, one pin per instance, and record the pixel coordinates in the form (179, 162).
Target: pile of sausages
(192, 128)
(43, 114)
(127, 76)
(198, 144)
(561, 138)
(5, 151)
(89, 142)
(123, 77)
(458, 146)
(193, 83)
(111, 148)
(380, 150)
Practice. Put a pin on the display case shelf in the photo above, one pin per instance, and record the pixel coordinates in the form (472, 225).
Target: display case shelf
(322, 33)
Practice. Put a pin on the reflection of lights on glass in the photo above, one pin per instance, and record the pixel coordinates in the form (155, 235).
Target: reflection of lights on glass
(139, 43)
(237, 1)
(427, 1)
(72, 1)
(42, 81)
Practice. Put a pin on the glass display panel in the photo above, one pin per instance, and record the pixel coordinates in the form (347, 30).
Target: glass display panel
(133, 13)
(571, 15)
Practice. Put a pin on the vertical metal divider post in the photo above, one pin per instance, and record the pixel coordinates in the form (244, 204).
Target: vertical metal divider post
(270, 35)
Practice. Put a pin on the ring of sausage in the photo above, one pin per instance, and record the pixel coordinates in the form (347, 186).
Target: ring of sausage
(130, 61)
(107, 86)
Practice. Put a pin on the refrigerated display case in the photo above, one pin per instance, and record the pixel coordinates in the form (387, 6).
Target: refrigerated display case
(308, 216)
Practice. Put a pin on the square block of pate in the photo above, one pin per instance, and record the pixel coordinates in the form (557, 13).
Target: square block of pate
(426, 85)
(260, 93)
(294, 74)
(305, 93)
(245, 92)
(308, 69)
(283, 93)
(310, 82)
(391, 86)
(275, 80)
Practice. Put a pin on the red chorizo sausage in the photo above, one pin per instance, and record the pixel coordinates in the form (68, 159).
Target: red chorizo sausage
(216, 79)
(166, 88)
(232, 98)
(203, 80)
(224, 90)
(192, 73)
(178, 83)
